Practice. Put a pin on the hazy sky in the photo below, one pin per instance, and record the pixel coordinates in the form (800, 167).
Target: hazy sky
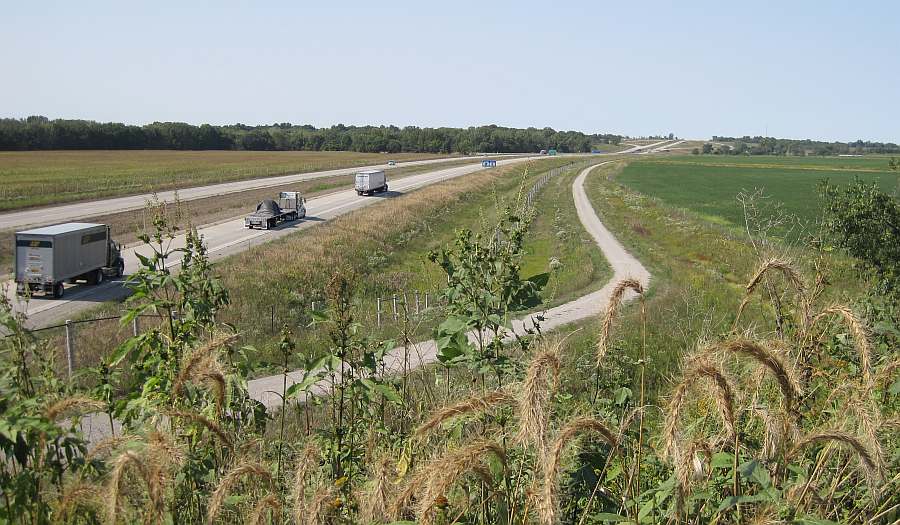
(819, 69)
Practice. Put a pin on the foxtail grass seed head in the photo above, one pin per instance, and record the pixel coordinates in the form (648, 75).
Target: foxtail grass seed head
(723, 393)
(548, 501)
(246, 469)
(541, 380)
(443, 472)
(379, 492)
(324, 502)
(478, 404)
(116, 486)
(72, 407)
(782, 372)
(306, 466)
(267, 504)
(612, 308)
(860, 335)
(77, 493)
(791, 274)
(867, 461)
(205, 422)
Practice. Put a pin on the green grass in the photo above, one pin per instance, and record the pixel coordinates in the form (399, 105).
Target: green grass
(35, 178)
(699, 270)
(709, 185)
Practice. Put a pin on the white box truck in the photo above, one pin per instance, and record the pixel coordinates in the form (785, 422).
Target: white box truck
(370, 182)
(49, 256)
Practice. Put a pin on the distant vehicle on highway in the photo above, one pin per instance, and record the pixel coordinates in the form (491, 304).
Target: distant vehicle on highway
(543, 152)
(370, 182)
(489, 163)
(551, 152)
(291, 206)
(49, 256)
(392, 163)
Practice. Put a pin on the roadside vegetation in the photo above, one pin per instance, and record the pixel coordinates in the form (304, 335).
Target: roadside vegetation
(754, 382)
(37, 178)
(387, 247)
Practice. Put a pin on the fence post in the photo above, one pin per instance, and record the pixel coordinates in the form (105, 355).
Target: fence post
(417, 302)
(394, 303)
(70, 347)
(426, 300)
(273, 319)
(134, 326)
(378, 310)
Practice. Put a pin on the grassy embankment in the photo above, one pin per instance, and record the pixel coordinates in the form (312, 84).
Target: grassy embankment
(518, 441)
(126, 225)
(700, 270)
(389, 257)
(37, 178)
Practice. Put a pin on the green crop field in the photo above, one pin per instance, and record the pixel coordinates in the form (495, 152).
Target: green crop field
(35, 178)
(709, 185)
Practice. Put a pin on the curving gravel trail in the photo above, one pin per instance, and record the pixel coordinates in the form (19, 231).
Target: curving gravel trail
(624, 266)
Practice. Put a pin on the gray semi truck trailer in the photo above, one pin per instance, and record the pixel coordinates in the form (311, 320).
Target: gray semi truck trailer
(50, 256)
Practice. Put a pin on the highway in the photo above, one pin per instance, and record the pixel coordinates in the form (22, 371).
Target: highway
(230, 237)
(31, 217)
(224, 239)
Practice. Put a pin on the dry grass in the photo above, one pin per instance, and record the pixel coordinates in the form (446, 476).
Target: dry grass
(791, 275)
(267, 504)
(868, 462)
(612, 308)
(205, 422)
(541, 379)
(859, 333)
(782, 372)
(441, 474)
(247, 469)
(547, 503)
(723, 391)
(477, 404)
(72, 407)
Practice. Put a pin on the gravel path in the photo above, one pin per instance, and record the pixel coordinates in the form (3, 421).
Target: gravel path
(623, 264)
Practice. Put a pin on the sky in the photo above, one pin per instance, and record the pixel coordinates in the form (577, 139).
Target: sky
(825, 70)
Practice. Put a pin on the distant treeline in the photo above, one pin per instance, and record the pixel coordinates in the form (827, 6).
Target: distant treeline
(40, 133)
(772, 146)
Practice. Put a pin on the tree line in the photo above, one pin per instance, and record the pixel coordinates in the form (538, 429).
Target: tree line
(41, 133)
(772, 146)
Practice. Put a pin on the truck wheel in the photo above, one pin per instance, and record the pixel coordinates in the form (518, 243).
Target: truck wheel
(58, 291)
